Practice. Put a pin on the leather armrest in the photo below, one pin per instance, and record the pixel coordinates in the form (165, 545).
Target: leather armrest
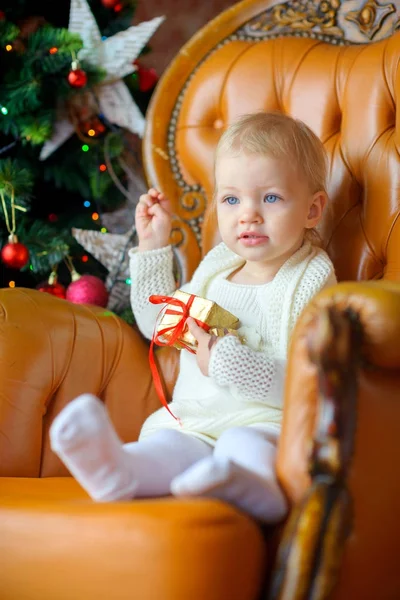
(340, 445)
(378, 305)
(50, 352)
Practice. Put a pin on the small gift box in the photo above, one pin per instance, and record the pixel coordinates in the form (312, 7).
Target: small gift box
(172, 329)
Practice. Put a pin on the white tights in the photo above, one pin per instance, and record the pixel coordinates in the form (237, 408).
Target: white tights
(240, 469)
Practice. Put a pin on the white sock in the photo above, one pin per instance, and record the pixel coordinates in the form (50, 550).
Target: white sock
(84, 439)
(219, 477)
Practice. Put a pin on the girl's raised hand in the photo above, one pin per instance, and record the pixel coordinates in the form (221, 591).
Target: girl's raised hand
(153, 220)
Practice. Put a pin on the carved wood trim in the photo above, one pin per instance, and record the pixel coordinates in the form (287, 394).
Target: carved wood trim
(309, 555)
(371, 16)
(352, 21)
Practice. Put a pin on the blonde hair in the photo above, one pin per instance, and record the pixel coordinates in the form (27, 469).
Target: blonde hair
(279, 136)
(283, 137)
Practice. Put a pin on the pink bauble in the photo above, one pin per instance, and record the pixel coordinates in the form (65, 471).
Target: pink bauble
(88, 289)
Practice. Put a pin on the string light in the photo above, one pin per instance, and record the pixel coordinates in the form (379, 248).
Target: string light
(103, 168)
(53, 50)
(103, 230)
(8, 47)
(85, 258)
(86, 204)
(95, 216)
(52, 218)
(4, 110)
(31, 267)
(91, 132)
(128, 281)
(11, 284)
(118, 7)
(85, 148)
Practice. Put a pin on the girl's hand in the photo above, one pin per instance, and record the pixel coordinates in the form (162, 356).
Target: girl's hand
(205, 343)
(153, 220)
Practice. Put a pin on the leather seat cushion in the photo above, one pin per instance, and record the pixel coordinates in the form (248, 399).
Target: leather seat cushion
(56, 543)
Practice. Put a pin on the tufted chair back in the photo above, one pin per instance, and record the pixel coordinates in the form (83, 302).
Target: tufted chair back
(319, 67)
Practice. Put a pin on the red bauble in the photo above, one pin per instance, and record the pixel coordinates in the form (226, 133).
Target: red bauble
(88, 289)
(109, 3)
(147, 77)
(55, 289)
(77, 78)
(15, 255)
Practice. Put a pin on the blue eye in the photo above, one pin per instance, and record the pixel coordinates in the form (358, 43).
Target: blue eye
(231, 200)
(271, 198)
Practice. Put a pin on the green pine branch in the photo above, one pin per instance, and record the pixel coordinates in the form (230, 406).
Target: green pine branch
(8, 32)
(48, 37)
(13, 176)
(46, 246)
(8, 125)
(60, 175)
(36, 128)
(88, 181)
(20, 97)
(36, 78)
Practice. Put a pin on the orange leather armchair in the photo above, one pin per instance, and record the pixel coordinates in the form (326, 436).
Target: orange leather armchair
(336, 66)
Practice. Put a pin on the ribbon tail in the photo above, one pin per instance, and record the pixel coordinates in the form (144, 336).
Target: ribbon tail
(157, 381)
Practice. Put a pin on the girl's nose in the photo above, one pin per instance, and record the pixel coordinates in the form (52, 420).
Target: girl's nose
(250, 214)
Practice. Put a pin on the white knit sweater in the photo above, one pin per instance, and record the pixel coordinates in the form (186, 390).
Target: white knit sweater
(245, 383)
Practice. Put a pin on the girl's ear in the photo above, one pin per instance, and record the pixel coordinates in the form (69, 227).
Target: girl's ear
(316, 209)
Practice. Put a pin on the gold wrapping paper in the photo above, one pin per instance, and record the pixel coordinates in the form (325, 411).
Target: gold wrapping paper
(204, 310)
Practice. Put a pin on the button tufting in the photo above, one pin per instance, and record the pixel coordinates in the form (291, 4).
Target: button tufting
(218, 124)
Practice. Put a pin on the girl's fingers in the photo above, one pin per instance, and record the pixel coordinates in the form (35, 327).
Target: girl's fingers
(153, 193)
(157, 195)
(166, 205)
(146, 200)
(156, 209)
(153, 198)
(142, 210)
(160, 211)
(197, 331)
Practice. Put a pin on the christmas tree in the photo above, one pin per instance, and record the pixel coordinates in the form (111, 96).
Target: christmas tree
(72, 97)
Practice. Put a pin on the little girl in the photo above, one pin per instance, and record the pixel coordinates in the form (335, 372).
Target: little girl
(270, 180)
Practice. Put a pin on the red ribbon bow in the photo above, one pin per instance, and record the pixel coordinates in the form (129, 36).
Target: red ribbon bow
(177, 331)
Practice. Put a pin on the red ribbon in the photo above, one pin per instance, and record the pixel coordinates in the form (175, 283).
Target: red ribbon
(177, 331)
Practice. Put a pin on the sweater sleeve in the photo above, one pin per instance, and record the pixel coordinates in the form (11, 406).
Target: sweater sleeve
(151, 273)
(307, 289)
(254, 375)
(248, 374)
